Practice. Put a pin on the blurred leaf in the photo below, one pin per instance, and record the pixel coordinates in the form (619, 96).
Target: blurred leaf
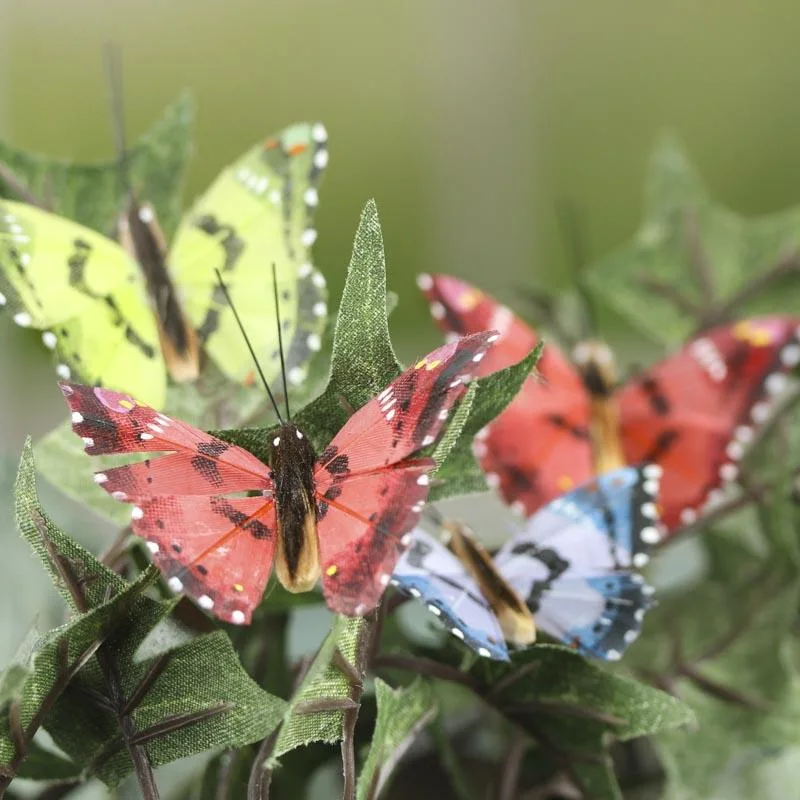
(93, 194)
(725, 648)
(323, 681)
(402, 714)
(45, 765)
(684, 236)
(459, 472)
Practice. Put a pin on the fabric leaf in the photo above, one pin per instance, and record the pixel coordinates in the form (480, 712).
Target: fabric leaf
(93, 194)
(402, 714)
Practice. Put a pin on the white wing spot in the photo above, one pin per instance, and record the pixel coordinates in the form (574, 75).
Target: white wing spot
(390, 415)
(314, 342)
(145, 437)
(311, 197)
(304, 270)
(88, 441)
(63, 371)
(119, 495)
(438, 311)
(492, 479)
(650, 535)
(23, 319)
(237, 618)
(482, 651)
(136, 513)
(152, 547)
(204, 601)
(424, 281)
(296, 375)
(458, 633)
(50, 340)
(649, 510)
(100, 477)
(760, 412)
(77, 417)
(640, 559)
(146, 214)
(790, 355)
(384, 578)
(688, 516)
(728, 472)
(276, 441)
(734, 451)
(478, 356)
(443, 414)
(776, 383)
(321, 159)
(423, 480)
(320, 309)
(652, 471)
(298, 433)
(613, 655)
(434, 610)
(319, 280)
(428, 440)
(308, 237)
(318, 132)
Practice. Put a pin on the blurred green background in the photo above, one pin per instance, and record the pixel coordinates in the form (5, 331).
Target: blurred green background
(467, 121)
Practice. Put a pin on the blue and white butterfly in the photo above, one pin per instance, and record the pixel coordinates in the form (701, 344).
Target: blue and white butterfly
(572, 567)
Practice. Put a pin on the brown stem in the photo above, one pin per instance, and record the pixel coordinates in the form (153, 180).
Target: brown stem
(786, 264)
(509, 771)
(720, 691)
(550, 707)
(426, 666)
(261, 773)
(669, 292)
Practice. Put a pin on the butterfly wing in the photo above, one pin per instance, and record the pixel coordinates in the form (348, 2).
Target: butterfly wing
(218, 549)
(429, 572)
(259, 211)
(370, 494)
(695, 412)
(86, 296)
(572, 562)
(539, 446)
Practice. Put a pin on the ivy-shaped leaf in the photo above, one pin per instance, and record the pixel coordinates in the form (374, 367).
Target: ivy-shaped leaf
(459, 472)
(120, 705)
(93, 194)
(402, 715)
(309, 718)
(693, 258)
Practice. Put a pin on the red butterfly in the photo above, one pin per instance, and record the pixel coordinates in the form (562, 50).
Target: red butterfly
(693, 414)
(343, 516)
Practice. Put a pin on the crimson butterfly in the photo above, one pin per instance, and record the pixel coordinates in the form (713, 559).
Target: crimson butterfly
(693, 413)
(344, 515)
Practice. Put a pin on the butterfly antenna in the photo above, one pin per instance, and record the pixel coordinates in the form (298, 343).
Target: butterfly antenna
(280, 338)
(573, 232)
(113, 64)
(249, 346)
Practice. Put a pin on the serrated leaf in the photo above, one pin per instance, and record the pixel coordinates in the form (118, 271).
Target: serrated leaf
(685, 235)
(362, 359)
(46, 539)
(93, 194)
(459, 472)
(323, 681)
(402, 714)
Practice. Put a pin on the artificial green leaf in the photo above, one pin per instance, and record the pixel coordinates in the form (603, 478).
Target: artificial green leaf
(324, 681)
(57, 660)
(362, 360)
(45, 765)
(459, 472)
(61, 555)
(687, 242)
(93, 194)
(402, 714)
(724, 648)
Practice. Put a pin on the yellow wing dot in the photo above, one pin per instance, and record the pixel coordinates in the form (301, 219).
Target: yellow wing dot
(469, 299)
(332, 570)
(237, 587)
(127, 404)
(565, 483)
(433, 364)
(419, 364)
(747, 331)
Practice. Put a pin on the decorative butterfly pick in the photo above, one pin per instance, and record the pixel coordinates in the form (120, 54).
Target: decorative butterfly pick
(343, 515)
(694, 413)
(121, 315)
(571, 569)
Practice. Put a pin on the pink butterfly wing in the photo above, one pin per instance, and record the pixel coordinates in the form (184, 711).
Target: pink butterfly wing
(371, 494)
(217, 549)
(539, 447)
(695, 412)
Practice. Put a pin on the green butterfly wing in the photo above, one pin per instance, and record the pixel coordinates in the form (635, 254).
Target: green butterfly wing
(259, 211)
(88, 298)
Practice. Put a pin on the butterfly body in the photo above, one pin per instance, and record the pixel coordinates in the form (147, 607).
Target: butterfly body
(572, 564)
(515, 618)
(695, 413)
(216, 518)
(293, 460)
(141, 236)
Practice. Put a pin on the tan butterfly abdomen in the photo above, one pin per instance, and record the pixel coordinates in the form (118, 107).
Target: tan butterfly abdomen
(516, 619)
(299, 574)
(598, 369)
(140, 234)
